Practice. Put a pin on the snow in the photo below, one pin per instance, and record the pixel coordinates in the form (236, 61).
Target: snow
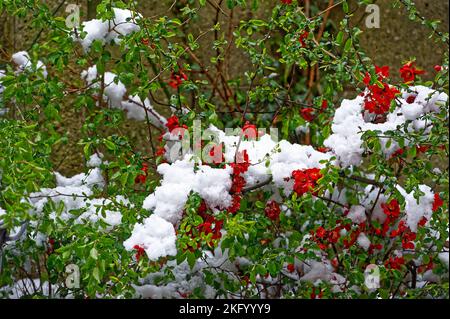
(23, 62)
(357, 214)
(76, 194)
(169, 199)
(95, 160)
(155, 235)
(92, 178)
(116, 95)
(122, 24)
(28, 287)
(363, 241)
(443, 257)
(414, 209)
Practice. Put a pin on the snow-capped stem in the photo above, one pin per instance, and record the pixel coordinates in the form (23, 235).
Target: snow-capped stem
(256, 186)
(363, 180)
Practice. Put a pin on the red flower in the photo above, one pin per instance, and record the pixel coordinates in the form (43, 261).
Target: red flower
(140, 251)
(391, 209)
(407, 239)
(335, 262)
(398, 153)
(378, 99)
(394, 263)
(51, 246)
(160, 151)
(235, 205)
(410, 99)
(250, 131)
(286, 1)
(437, 68)
(306, 113)
(305, 180)
(177, 78)
(422, 148)
(303, 37)
(141, 178)
(425, 267)
(323, 149)
(383, 71)
(321, 232)
(291, 267)
(145, 41)
(172, 123)
(438, 202)
(324, 104)
(422, 222)
(408, 72)
(272, 210)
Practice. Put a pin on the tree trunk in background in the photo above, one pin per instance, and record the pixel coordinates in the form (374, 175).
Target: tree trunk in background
(92, 8)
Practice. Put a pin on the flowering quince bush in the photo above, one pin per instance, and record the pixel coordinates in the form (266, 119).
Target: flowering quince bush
(264, 185)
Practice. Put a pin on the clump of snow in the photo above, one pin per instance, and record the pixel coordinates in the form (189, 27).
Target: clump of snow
(416, 209)
(95, 160)
(23, 62)
(76, 194)
(363, 241)
(350, 122)
(123, 23)
(93, 178)
(155, 235)
(179, 179)
(115, 94)
(357, 214)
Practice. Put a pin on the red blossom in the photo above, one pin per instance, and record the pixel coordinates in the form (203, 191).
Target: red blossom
(291, 267)
(323, 149)
(286, 1)
(398, 153)
(140, 251)
(378, 99)
(305, 180)
(410, 99)
(321, 232)
(177, 78)
(425, 267)
(395, 263)
(303, 36)
(391, 209)
(422, 148)
(272, 210)
(172, 123)
(236, 204)
(438, 202)
(141, 178)
(422, 222)
(306, 113)
(438, 68)
(408, 72)
(160, 151)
